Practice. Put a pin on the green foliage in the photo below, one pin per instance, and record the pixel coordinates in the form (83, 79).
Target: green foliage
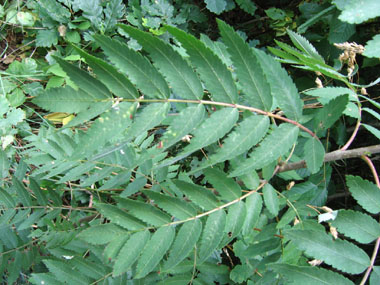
(172, 156)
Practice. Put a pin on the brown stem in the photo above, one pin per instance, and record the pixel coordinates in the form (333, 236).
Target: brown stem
(376, 249)
(373, 170)
(334, 155)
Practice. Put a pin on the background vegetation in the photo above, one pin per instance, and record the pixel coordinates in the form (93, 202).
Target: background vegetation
(189, 142)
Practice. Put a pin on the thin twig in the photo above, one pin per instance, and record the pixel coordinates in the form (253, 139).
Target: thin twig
(376, 249)
(334, 155)
(373, 169)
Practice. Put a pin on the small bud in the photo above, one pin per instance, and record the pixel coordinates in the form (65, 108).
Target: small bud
(363, 91)
(319, 83)
(334, 232)
(62, 30)
(187, 138)
(315, 262)
(327, 209)
(290, 185)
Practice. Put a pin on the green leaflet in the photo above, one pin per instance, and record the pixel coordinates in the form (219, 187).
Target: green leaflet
(227, 188)
(149, 117)
(139, 70)
(145, 212)
(295, 56)
(261, 247)
(178, 279)
(113, 248)
(35, 217)
(247, 134)
(98, 175)
(326, 94)
(375, 276)
(356, 225)
(64, 272)
(372, 130)
(6, 199)
(247, 6)
(101, 234)
(216, 6)
(120, 217)
(303, 44)
(282, 87)
(154, 251)
(212, 235)
(212, 129)
(184, 243)
(309, 275)
(134, 187)
(117, 180)
(84, 81)
(186, 121)
(235, 221)
(94, 110)
(251, 76)
(22, 193)
(130, 252)
(330, 112)
(171, 64)
(355, 12)
(90, 269)
(219, 48)
(271, 148)
(77, 171)
(65, 99)
(254, 204)
(47, 278)
(41, 198)
(314, 154)
(215, 75)
(109, 125)
(116, 82)
(338, 253)
(365, 192)
(176, 207)
(198, 194)
(372, 112)
(271, 199)
(372, 47)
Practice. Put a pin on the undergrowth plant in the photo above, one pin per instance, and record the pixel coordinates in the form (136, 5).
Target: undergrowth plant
(175, 168)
